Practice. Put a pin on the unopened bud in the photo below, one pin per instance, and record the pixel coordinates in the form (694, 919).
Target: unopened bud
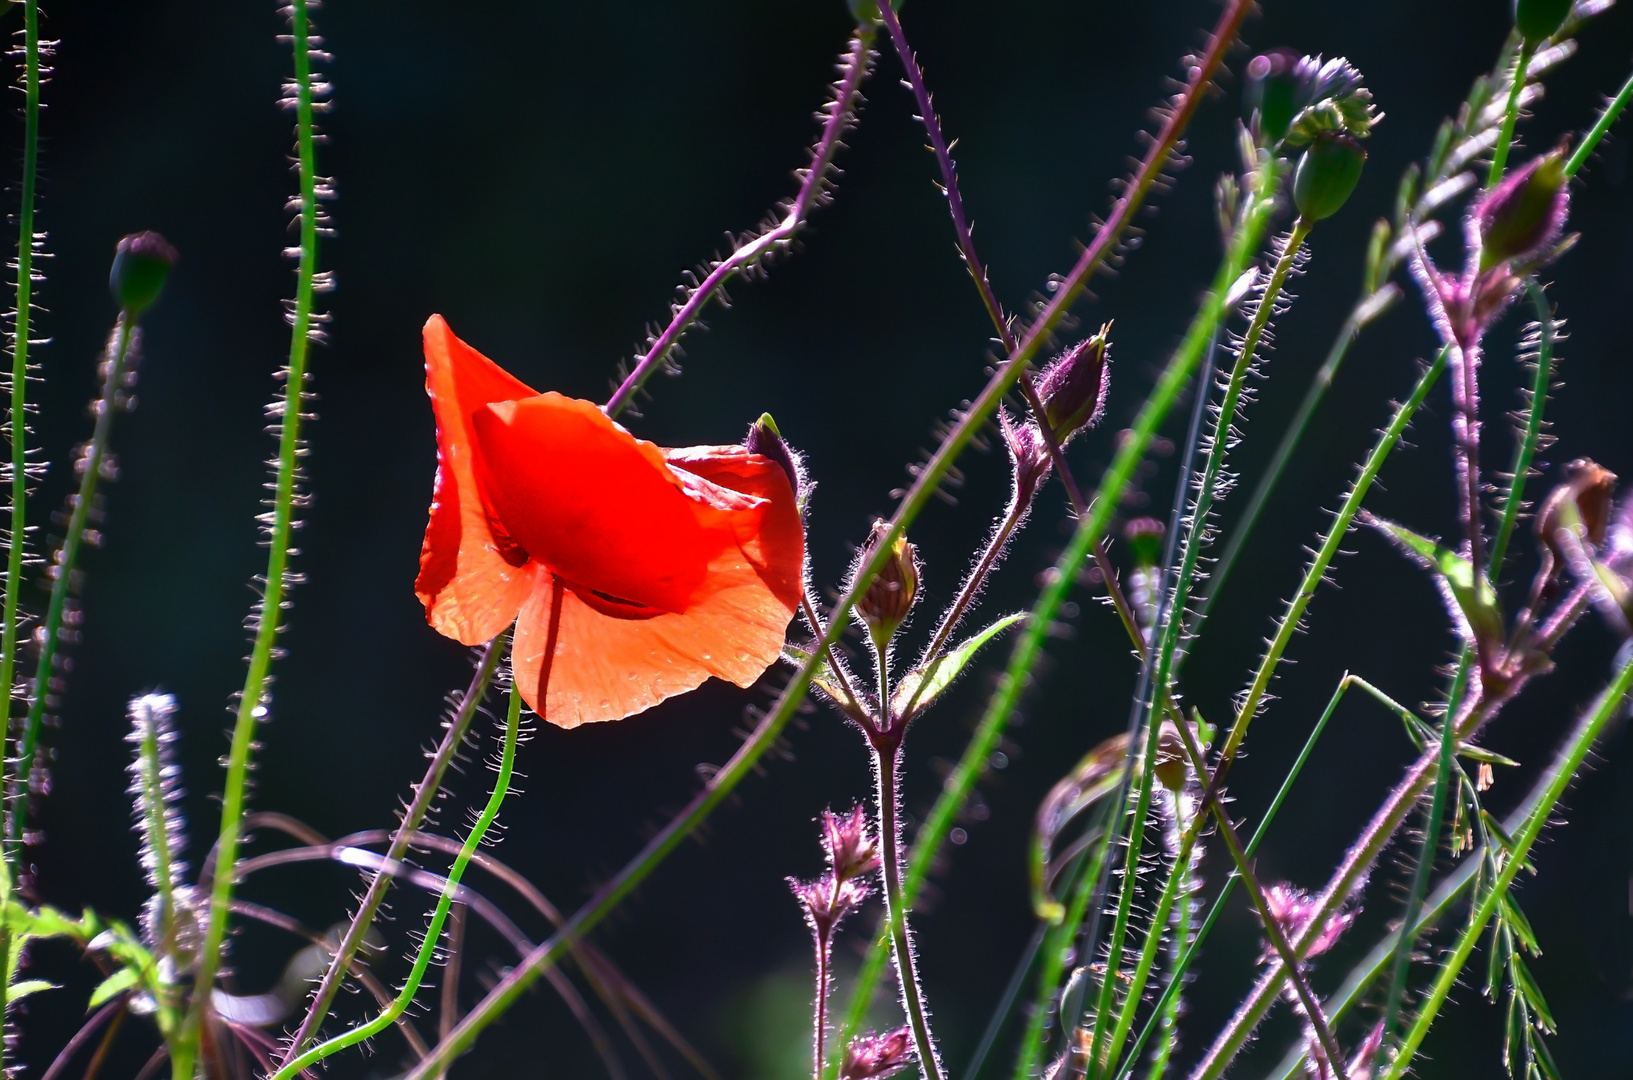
(1028, 454)
(873, 1057)
(1588, 487)
(1328, 171)
(1539, 20)
(850, 849)
(1073, 388)
(1170, 763)
(1144, 538)
(141, 263)
(1520, 219)
(891, 596)
(1272, 94)
(764, 439)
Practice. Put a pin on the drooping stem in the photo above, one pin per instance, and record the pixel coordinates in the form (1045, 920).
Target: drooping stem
(424, 794)
(254, 699)
(17, 418)
(64, 567)
(815, 186)
(886, 760)
(433, 933)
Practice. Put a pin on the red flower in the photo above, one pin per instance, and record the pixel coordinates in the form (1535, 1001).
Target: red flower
(658, 568)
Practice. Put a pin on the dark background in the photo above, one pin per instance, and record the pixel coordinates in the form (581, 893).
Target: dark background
(540, 174)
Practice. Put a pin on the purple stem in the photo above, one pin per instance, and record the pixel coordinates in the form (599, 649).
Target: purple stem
(813, 187)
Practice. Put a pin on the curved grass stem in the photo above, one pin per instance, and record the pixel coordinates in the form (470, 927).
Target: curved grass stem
(1607, 116)
(1511, 114)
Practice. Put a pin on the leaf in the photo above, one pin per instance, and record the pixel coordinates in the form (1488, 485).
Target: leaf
(822, 677)
(942, 674)
(114, 985)
(1519, 924)
(26, 987)
(1488, 757)
(1471, 603)
(1526, 985)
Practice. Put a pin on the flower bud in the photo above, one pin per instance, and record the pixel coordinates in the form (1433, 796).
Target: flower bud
(1520, 219)
(1144, 538)
(1328, 171)
(1073, 388)
(1272, 94)
(890, 597)
(1539, 20)
(1589, 487)
(873, 1057)
(1028, 454)
(850, 849)
(141, 263)
(764, 439)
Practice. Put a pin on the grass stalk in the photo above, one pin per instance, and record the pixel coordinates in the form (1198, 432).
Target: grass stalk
(254, 699)
(1607, 116)
(1531, 434)
(1511, 114)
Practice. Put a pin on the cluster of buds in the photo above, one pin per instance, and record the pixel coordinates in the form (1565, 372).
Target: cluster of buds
(852, 855)
(1320, 107)
(1512, 230)
(893, 591)
(874, 1057)
(1293, 909)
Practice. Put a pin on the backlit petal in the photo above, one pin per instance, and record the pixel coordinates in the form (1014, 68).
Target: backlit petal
(469, 590)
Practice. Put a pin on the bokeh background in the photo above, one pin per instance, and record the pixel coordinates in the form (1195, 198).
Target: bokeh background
(541, 174)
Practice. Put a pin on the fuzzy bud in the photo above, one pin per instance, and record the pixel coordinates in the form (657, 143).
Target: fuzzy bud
(826, 901)
(851, 850)
(1143, 535)
(1272, 94)
(1539, 20)
(1028, 454)
(764, 439)
(1073, 388)
(1521, 219)
(141, 263)
(873, 1057)
(1327, 173)
(889, 599)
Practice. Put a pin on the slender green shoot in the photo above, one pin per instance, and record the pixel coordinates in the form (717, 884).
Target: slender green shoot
(1531, 435)
(1564, 769)
(254, 700)
(433, 932)
(1608, 116)
(1511, 114)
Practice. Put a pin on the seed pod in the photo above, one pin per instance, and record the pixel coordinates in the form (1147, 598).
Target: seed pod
(1520, 219)
(141, 263)
(1539, 20)
(1328, 171)
(1073, 388)
(889, 599)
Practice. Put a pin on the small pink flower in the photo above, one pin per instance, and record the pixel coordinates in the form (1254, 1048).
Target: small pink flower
(851, 850)
(872, 1057)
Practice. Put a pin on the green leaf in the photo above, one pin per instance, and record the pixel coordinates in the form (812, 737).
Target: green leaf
(1520, 924)
(1470, 599)
(26, 987)
(942, 674)
(822, 677)
(1526, 985)
(114, 985)
(1481, 754)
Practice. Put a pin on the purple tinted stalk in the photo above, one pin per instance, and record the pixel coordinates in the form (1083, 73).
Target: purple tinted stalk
(841, 110)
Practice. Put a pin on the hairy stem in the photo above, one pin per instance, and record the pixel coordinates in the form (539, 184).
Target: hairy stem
(1511, 114)
(814, 187)
(254, 699)
(424, 794)
(1530, 436)
(1607, 116)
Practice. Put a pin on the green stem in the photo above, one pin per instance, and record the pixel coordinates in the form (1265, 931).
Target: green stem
(1511, 113)
(1525, 453)
(433, 932)
(1613, 109)
(1564, 769)
(886, 761)
(17, 426)
(424, 794)
(254, 700)
(63, 571)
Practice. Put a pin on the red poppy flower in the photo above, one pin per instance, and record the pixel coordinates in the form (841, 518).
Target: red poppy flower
(657, 568)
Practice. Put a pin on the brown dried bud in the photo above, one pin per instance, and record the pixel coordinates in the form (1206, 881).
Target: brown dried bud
(1587, 487)
(889, 599)
(1073, 388)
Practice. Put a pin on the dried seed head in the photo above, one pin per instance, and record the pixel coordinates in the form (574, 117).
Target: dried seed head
(141, 263)
(764, 439)
(888, 600)
(1328, 171)
(1521, 220)
(1073, 388)
(1539, 20)
(850, 848)
(873, 1057)
(1586, 489)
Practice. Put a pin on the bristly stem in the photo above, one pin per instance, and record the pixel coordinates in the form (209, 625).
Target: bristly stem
(17, 420)
(64, 567)
(433, 932)
(1613, 109)
(424, 794)
(1511, 114)
(254, 700)
(1564, 769)
(814, 190)
(1531, 435)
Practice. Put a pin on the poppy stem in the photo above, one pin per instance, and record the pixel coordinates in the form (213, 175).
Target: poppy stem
(816, 189)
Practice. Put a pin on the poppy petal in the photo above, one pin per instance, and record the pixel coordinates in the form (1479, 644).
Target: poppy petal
(470, 591)
(606, 667)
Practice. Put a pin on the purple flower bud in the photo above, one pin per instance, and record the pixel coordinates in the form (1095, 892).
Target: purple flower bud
(1028, 454)
(873, 1057)
(851, 850)
(889, 599)
(1073, 388)
(141, 263)
(764, 439)
(1521, 219)
(827, 900)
